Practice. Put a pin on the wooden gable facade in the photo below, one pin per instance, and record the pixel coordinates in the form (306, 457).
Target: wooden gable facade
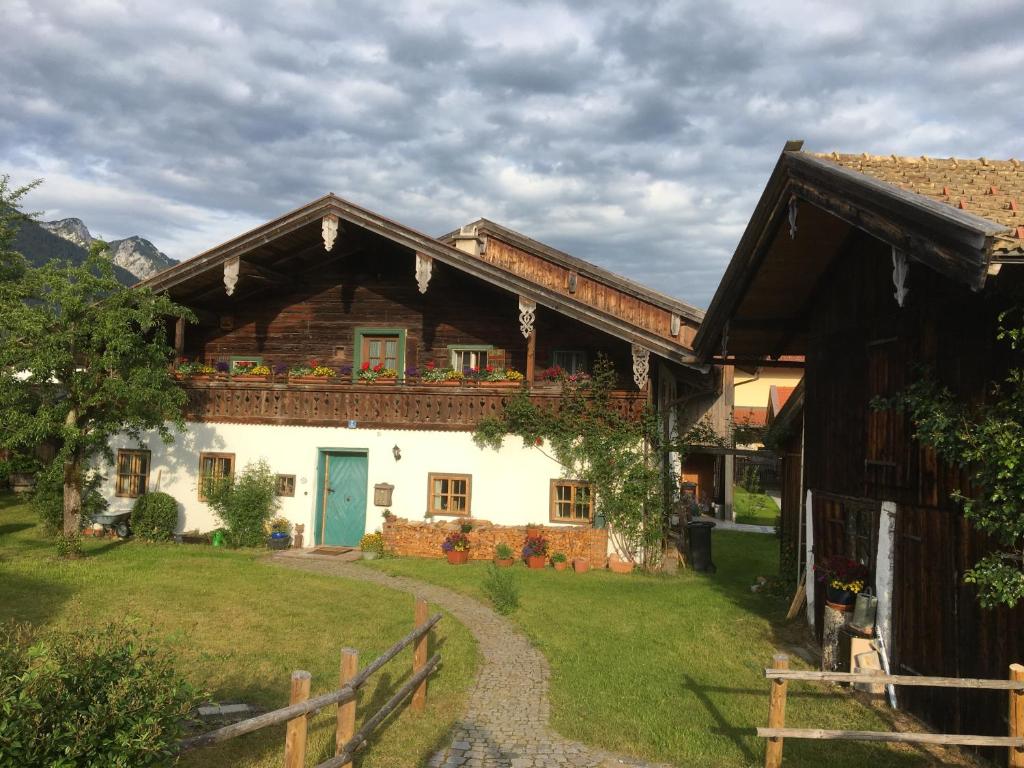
(880, 286)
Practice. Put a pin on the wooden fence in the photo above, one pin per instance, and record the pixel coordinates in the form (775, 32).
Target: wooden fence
(301, 706)
(776, 731)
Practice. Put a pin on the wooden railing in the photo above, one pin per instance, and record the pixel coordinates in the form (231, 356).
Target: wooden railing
(301, 706)
(776, 731)
(370, 406)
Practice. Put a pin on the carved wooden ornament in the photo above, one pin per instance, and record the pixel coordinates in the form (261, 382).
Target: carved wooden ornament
(527, 315)
(231, 267)
(676, 325)
(641, 365)
(330, 230)
(424, 266)
(900, 270)
(792, 217)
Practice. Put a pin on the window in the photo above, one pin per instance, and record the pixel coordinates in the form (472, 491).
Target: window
(464, 358)
(132, 473)
(214, 467)
(448, 494)
(570, 360)
(571, 502)
(285, 485)
(241, 363)
(380, 346)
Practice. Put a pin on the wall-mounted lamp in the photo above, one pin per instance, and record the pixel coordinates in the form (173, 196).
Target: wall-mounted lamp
(397, 453)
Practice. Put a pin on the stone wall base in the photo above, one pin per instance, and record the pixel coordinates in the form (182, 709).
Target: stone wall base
(421, 539)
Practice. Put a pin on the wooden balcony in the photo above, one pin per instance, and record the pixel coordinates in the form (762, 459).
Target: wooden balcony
(370, 406)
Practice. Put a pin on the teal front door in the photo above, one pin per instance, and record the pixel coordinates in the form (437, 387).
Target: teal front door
(343, 498)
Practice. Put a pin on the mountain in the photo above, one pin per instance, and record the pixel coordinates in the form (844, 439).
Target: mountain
(134, 254)
(39, 246)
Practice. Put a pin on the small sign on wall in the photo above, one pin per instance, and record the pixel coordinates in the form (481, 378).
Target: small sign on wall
(352, 424)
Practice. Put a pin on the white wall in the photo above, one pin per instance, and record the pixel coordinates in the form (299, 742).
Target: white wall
(510, 486)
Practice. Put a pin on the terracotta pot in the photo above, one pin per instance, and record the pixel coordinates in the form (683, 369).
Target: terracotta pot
(313, 379)
(508, 562)
(561, 566)
(457, 558)
(615, 565)
(377, 381)
(499, 384)
(580, 564)
(536, 561)
(445, 383)
(248, 377)
(533, 530)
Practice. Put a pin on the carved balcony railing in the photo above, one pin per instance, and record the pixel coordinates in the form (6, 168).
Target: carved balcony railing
(370, 406)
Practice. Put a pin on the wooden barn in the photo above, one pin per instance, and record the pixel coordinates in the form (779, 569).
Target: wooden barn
(871, 267)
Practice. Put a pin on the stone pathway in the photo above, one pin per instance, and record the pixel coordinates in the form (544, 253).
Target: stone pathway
(506, 719)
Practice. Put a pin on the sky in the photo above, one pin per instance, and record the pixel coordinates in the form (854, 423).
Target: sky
(636, 135)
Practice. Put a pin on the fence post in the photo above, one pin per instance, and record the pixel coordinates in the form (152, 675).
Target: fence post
(419, 657)
(776, 713)
(1017, 716)
(347, 709)
(295, 735)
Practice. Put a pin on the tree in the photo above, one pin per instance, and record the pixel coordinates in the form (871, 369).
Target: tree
(12, 263)
(83, 359)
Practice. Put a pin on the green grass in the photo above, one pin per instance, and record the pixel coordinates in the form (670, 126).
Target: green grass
(754, 508)
(670, 668)
(239, 627)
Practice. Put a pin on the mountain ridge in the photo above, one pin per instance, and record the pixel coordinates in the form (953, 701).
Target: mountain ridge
(136, 255)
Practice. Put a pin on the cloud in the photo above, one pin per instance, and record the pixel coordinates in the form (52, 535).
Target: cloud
(636, 136)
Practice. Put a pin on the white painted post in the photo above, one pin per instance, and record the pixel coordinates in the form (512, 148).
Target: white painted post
(809, 558)
(885, 565)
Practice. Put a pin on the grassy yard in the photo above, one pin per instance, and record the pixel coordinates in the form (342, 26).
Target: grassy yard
(239, 627)
(754, 508)
(670, 668)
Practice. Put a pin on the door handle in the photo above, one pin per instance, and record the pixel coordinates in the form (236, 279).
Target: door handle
(330, 490)
(348, 498)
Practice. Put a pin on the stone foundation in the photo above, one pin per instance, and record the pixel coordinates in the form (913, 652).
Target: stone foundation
(422, 539)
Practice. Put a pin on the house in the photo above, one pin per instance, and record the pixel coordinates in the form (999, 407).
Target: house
(351, 289)
(870, 267)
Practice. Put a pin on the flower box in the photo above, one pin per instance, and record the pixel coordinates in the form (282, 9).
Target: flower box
(500, 384)
(390, 380)
(248, 377)
(445, 383)
(314, 380)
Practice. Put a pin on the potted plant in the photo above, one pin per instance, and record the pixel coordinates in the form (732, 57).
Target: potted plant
(388, 515)
(844, 579)
(372, 545)
(535, 551)
(503, 556)
(280, 533)
(456, 548)
(533, 530)
(580, 564)
(617, 565)
(221, 370)
(437, 376)
(376, 374)
(559, 561)
(500, 378)
(312, 372)
(247, 370)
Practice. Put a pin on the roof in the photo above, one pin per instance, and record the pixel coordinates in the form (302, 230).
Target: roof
(830, 200)
(787, 417)
(299, 231)
(750, 415)
(992, 189)
(777, 397)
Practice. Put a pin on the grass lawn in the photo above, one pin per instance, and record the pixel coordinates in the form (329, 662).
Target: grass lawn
(670, 668)
(239, 627)
(754, 508)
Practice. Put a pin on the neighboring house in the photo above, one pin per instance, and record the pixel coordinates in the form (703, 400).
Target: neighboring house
(347, 287)
(870, 267)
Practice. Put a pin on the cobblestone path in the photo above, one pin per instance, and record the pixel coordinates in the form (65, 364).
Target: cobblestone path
(506, 719)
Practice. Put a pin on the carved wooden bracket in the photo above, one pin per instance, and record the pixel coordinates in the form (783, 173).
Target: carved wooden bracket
(641, 365)
(900, 270)
(792, 217)
(527, 315)
(330, 230)
(231, 267)
(424, 265)
(676, 325)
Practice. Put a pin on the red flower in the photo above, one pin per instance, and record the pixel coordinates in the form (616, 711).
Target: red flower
(430, 365)
(378, 367)
(540, 441)
(366, 365)
(314, 363)
(490, 369)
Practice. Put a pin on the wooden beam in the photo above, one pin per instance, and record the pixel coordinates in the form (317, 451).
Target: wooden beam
(254, 270)
(757, 362)
(776, 713)
(1017, 716)
(531, 356)
(900, 738)
(913, 680)
(179, 337)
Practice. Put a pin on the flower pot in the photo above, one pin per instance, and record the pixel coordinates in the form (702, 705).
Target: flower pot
(580, 564)
(507, 562)
(457, 557)
(842, 597)
(248, 377)
(533, 530)
(499, 384)
(276, 542)
(616, 565)
(369, 555)
(536, 561)
(445, 383)
(312, 379)
(560, 566)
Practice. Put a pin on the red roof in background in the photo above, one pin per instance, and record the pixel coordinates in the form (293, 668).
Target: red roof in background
(777, 397)
(750, 415)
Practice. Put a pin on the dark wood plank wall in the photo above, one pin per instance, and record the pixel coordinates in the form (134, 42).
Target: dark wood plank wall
(376, 287)
(864, 346)
(588, 291)
(791, 518)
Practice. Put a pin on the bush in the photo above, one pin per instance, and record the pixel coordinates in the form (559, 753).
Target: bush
(501, 587)
(68, 547)
(91, 698)
(155, 516)
(245, 504)
(372, 542)
(503, 551)
(48, 498)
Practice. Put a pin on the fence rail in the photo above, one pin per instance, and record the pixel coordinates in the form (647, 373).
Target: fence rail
(301, 706)
(780, 675)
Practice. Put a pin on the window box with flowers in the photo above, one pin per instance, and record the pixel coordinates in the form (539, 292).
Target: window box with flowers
(456, 548)
(437, 376)
(186, 369)
(844, 579)
(500, 378)
(250, 370)
(376, 374)
(556, 376)
(311, 373)
(535, 551)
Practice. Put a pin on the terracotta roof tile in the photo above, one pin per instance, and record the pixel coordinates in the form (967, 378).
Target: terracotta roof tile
(988, 188)
(750, 415)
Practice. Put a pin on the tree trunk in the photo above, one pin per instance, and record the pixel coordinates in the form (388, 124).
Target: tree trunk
(72, 497)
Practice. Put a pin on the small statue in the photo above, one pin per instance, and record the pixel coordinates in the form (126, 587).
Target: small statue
(297, 539)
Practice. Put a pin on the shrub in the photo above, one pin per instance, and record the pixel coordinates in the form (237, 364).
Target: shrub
(503, 551)
(501, 588)
(155, 516)
(95, 697)
(372, 542)
(280, 525)
(48, 499)
(245, 504)
(559, 557)
(68, 547)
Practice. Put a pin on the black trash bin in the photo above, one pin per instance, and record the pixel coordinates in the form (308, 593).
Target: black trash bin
(699, 534)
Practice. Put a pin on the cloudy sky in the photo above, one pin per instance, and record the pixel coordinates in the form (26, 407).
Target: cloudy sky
(637, 135)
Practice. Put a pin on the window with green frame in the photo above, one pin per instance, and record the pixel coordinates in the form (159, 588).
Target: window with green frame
(379, 346)
(463, 357)
(248, 361)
